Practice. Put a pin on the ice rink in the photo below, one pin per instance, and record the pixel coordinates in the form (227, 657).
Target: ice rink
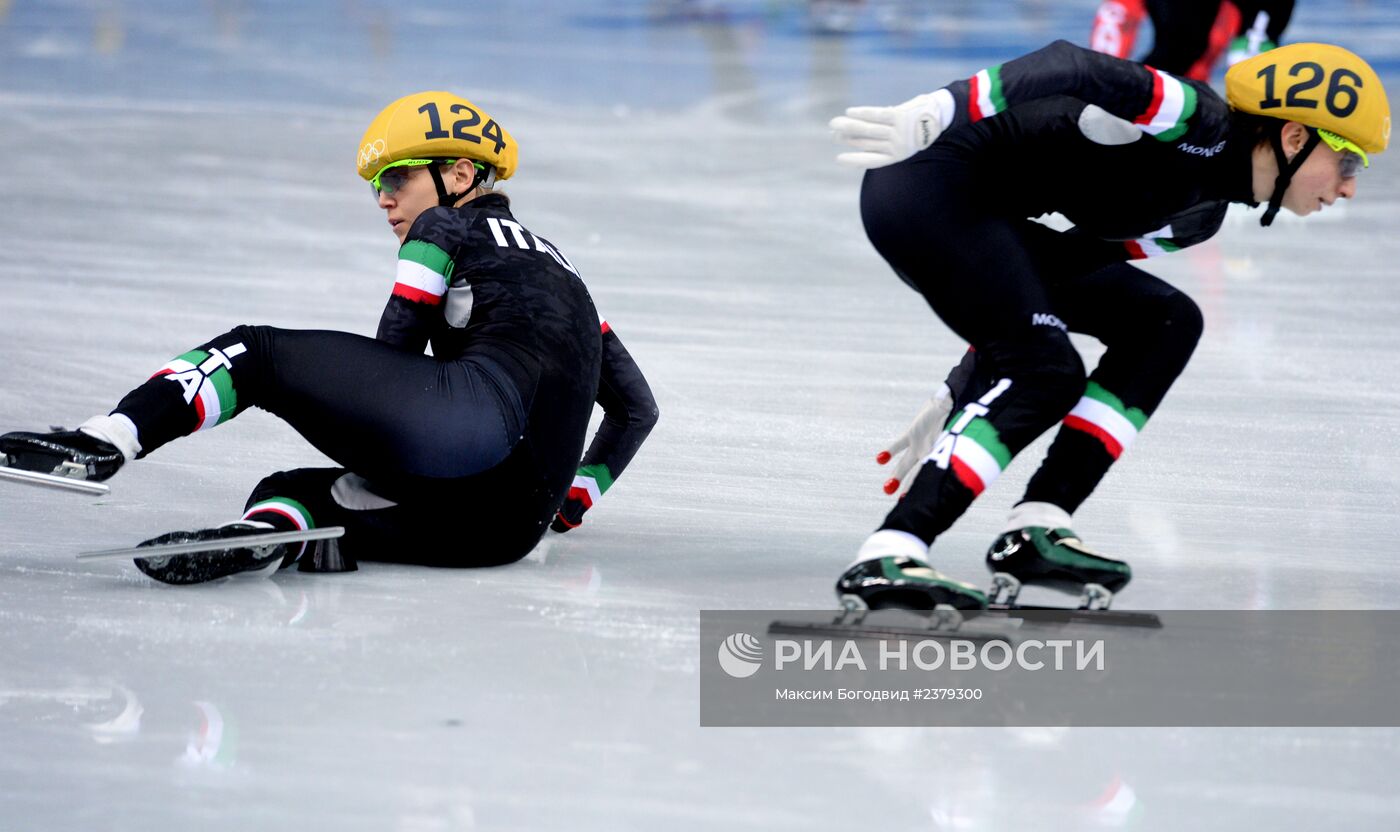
(173, 169)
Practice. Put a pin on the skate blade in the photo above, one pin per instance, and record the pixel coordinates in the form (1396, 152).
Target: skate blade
(943, 623)
(1071, 615)
(247, 541)
(51, 481)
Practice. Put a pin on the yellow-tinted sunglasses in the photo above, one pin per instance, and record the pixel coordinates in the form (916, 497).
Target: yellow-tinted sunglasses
(1353, 157)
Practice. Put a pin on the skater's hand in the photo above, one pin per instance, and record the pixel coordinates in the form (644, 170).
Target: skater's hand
(885, 135)
(569, 516)
(916, 443)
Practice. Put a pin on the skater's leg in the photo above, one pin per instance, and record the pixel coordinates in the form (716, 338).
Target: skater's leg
(979, 273)
(298, 500)
(369, 406)
(1116, 26)
(455, 531)
(1181, 33)
(1037, 379)
(1150, 329)
(288, 501)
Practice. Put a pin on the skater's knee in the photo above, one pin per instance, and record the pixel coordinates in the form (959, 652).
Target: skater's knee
(1048, 364)
(308, 486)
(254, 337)
(1163, 324)
(1181, 321)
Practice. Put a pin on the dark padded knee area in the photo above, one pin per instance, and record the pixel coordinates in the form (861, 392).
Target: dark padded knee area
(1045, 369)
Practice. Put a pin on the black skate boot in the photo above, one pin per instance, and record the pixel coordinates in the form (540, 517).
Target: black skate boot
(904, 583)
(216, 563)
(892, 572)
(95, 451)
(1053, 558)
(64, 453)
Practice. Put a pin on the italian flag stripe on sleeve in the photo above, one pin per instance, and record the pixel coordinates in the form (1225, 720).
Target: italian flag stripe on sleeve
(985, 97)
(1102, 415)
(590, 482)
(979, 455)
(1150, 247)
(423, 272)
(1156, 244)
(1173, 104)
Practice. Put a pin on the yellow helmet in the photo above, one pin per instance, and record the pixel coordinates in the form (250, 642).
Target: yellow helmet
(1319, 85)
(435, 125)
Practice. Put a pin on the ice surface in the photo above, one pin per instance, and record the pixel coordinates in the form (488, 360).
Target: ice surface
(173, 169)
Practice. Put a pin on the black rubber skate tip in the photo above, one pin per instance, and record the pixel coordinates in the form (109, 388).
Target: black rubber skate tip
(325, 556)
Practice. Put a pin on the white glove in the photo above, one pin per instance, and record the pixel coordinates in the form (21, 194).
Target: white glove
(917, 442)
(885, 135)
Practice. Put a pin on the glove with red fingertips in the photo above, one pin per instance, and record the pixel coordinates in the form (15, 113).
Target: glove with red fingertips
(916, 443)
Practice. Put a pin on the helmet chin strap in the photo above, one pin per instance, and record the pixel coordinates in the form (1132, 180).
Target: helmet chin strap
(445, 199)
(1286, 169)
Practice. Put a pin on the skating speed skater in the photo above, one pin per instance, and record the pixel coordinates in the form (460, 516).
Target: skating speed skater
(1143, 163)
(459, 458)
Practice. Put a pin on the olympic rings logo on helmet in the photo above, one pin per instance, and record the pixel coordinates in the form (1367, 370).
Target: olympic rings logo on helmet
(370, 153)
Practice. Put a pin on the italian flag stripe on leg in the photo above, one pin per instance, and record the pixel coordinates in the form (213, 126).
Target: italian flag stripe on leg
(213, 397)
(423, 272)
(985, 98)
(979, 456)
(1173, 104)
(1102, 415)
(222, 384)
(290, 509)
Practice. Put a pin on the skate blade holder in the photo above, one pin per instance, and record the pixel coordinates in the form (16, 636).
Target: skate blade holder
(853, 611)
(1095, 597)
(1006, 588)
(944, 618)
(70, 470)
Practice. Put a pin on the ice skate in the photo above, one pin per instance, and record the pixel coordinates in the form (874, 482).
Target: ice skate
(1057, 559)
(95, 451)
(1038, 548)
(891, 572)
(212, 564)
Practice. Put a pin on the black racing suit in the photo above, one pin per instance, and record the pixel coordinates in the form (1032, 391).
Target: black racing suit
(460, 458)
(1142, 163)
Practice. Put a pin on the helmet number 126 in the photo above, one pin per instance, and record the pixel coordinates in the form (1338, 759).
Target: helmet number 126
(1341, 99)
